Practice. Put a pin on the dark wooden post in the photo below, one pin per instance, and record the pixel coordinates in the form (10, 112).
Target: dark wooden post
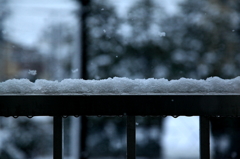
(85, 9)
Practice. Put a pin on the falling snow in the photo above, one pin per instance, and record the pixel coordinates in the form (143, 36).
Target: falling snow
(162, 34)
(32, 72)
(75, 70)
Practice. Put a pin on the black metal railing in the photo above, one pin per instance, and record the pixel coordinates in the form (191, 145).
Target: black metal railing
(58, 106)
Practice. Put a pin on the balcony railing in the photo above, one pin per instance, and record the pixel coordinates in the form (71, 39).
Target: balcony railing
(203, 105)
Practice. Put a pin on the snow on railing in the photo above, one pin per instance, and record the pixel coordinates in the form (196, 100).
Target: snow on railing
(122, 96)
(120, 86)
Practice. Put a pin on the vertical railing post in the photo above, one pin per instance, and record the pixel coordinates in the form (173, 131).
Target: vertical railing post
(57, 137)
(204, 138)
(131, 137)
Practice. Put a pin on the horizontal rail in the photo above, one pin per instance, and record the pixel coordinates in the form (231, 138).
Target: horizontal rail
(130, 105)
(109, 105)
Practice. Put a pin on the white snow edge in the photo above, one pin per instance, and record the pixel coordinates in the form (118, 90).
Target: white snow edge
(116, 85)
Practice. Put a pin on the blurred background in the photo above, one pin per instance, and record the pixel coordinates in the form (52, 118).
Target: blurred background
(98, 39)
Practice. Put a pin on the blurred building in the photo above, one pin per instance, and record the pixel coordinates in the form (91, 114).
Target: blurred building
(16, 61)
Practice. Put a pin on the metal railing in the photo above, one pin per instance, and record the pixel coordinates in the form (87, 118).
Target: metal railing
(58, 106)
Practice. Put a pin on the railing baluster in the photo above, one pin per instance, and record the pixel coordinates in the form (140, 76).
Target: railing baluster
(131, 137)
(204, 138)
(57, 137)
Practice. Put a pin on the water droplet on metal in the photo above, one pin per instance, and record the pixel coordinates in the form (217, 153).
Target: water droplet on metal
(137, 123)
(175, 116)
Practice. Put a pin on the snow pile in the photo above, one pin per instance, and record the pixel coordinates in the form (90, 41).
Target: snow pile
(120, 86)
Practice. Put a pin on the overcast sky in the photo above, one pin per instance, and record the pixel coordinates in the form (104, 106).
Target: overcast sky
(28, 18)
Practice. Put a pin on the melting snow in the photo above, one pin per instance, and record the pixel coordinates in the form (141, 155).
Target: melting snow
(120, 86)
